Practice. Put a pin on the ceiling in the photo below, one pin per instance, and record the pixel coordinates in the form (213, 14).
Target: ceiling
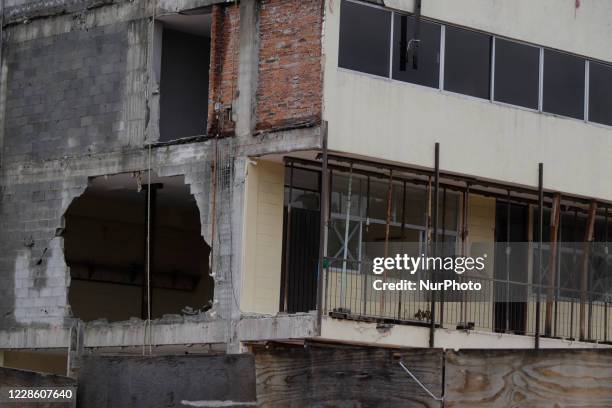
(198, 24)
(125, 187)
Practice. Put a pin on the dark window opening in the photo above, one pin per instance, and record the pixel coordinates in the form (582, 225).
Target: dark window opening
(563, 84)
(105, 248)
(511, 264)
(300, 239)
(364, 38)
(467, 62)
(185, 61)
(517, 73)
(428, 69)
(600, 93)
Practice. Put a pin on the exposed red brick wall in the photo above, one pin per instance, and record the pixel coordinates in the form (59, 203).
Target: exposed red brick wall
(222, 86)
(289, 92)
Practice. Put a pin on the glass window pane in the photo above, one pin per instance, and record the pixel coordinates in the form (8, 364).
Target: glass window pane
(428, 68)
(416, 206)
(451, 214)
(467, 62)
(340, 189)
(302, 178)
(379, 190)
(517, 73)
(600, 93)
(365, 35)
(563, 84)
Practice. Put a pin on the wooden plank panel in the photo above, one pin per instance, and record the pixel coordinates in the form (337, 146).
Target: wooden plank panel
(346, 377)
(528, 378)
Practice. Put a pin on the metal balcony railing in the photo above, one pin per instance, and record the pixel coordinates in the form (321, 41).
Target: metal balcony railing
(499, 306)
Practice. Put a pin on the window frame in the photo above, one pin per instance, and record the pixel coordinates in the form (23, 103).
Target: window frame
(494, 37)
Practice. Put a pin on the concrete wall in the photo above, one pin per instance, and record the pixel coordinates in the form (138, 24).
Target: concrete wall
(42, 362)
(263, 231)
(174, 381)
(415, 336)
(477, 137)
(54, 138)
(79, 91)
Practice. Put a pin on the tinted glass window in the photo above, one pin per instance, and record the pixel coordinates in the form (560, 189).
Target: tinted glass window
(563, 84)
(428, 57)
(467, 62)
(364, 38)
(600, 93)
(517, 73)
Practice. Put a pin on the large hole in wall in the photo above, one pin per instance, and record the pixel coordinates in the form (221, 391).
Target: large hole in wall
(105, 247)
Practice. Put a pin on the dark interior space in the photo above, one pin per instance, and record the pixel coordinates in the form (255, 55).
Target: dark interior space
(185, 61)
(105, 247)
(511, 263)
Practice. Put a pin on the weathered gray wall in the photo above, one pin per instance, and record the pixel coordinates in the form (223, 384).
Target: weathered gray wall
(134, 382)
(75, 104)
(64, 93)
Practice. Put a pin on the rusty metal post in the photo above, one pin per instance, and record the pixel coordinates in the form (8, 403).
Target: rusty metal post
(588, 238)
(432, 323)
(540, 237)
(322, 223)
(550, 293)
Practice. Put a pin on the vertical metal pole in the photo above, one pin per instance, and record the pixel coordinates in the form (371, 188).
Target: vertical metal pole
(322, 224)
(540, 237)
(443, 253)
(607, 274)
(347, 224)
(507, 311)
(432, 323)
(367, 214)
(586, 254)
(287, 271)
(558, 273)
(387, 228)
(573, 272)
(399, 303)
(150, 191)
(464, 235)
(550, 281)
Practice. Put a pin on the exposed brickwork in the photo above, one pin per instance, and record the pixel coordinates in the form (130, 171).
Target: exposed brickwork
(289, 91)
(222, 87)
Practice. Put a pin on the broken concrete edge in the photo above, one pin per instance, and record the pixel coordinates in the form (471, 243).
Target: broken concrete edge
(169, 331)
(191, 160)
(42, 9)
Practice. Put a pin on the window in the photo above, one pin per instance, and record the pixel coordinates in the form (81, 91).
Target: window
(365, 35)
(517, 73)
(600, 93)
(467, 62)
(563, 84)
(303, 184)
(182, 60)
(428, 69)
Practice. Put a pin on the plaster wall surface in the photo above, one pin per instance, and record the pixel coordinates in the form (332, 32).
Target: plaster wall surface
(263, 237)
(400, 122)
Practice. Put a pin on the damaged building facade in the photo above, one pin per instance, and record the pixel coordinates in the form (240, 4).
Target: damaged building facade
(208, 176)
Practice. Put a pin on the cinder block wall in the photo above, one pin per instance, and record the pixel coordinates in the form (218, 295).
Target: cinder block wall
(77, 105)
